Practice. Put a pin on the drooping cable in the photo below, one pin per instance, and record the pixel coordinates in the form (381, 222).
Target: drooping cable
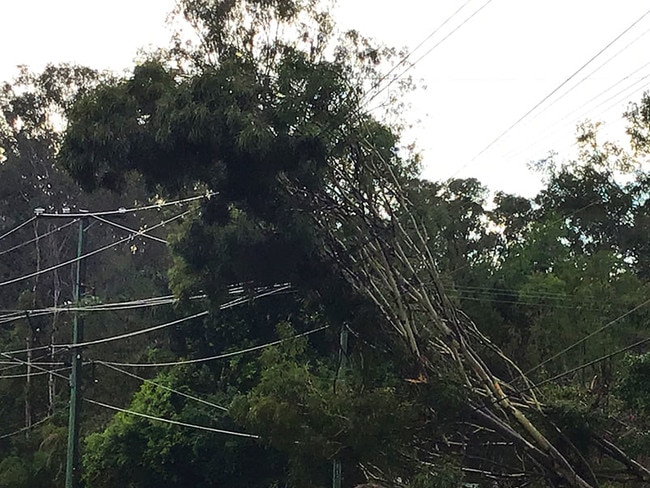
(218, 356)
(163, 387)
(589, 336)
(30, 375)
(173, 422)
(128, 335)
(24, 429)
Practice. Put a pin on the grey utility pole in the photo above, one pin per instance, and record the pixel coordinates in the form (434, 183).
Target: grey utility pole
(72, 459)
(337, 468)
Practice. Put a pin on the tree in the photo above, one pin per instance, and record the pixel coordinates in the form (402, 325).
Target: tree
(305, 176)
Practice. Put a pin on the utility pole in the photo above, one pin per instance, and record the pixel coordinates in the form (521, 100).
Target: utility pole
(72, 459)
(337, 468)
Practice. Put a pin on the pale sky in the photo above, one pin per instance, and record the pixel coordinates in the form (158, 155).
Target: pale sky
(480, 80)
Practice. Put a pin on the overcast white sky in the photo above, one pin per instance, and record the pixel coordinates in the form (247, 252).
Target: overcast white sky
(480, 80)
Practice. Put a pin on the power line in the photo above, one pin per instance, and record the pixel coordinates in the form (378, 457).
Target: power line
(590, 363)
(573, 118)
(173, 422)
(128, 335)
(553, 92)
(36, 239)
(602, 65)
(410, 53)
(92, 253)
(219, 356)
(158, 385)
(123, 227)
(588, 336)
(29, 427)
(18, 227)
(29, 375)
(100, 307)
(20, 351)
(412, 65)
(34, 365)
(122, 211)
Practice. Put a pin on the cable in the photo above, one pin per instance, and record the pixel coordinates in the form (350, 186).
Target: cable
(92, 253)
(18, 227)
(128, 335)
(410, 53)
(412, 65)
(101, 307)
(34, 239)
(556, 129)
(590, 363)
(214, 358)
(122, 211)
(29, 427)
(20, 351)
(35, 366)
(588, 336)
(173, 422)
(518, 302)
(553, 92)
(14, 315)
(158, 385)
(123, 227)
(605, 63)
(29, 375)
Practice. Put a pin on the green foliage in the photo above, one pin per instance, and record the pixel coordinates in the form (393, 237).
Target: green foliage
(445, 476)
(137, 452)
(314, 412)
(269, 124)
(634, 384)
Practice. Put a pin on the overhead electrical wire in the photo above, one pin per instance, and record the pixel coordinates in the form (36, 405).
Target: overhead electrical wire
(36, 239)
(553, 92)
(173, 422)
(593, 72)
(24, 429)
(422, 43)
(17, 228)
(565, 306)
(99, 307)
(96, 251)
(29, 375)
(163, 387)
(123, 227)
(218, 356)
(558, 127)
(589, 336)
(122, 211)
(592, 362)
(128, 335)
(8, 354)
(570, 371)
(429, 51)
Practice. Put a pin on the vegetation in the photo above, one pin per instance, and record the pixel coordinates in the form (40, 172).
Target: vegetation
(422, 334)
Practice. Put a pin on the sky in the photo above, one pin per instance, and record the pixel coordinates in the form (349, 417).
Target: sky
(488, 66)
